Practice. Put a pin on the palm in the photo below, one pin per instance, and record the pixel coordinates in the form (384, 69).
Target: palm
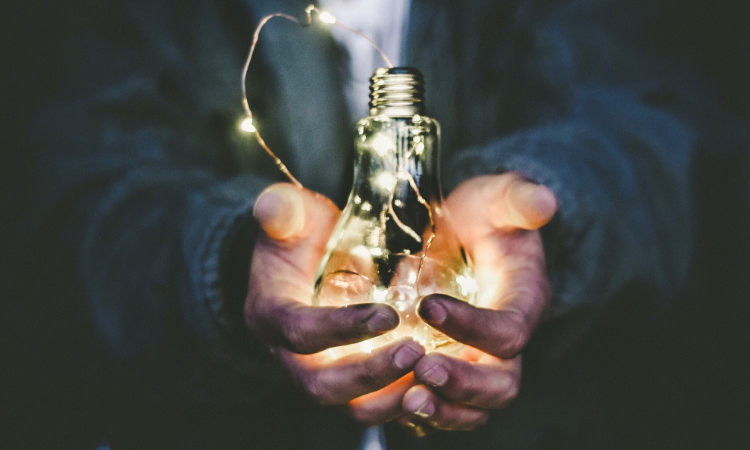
(497, 219)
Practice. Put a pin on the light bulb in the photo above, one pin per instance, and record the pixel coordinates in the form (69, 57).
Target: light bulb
(394, 243)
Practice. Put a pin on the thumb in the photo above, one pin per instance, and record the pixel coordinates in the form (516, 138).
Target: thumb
(280, 211)
(296, 222)
(524, 204)
(508, 200)
(296, 225)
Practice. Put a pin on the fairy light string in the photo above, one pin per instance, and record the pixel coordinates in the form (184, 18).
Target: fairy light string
(248, 126)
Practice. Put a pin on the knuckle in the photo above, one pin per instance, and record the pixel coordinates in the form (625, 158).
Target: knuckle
(516, 335)
(489, 188)
(317, 389)
(506, 394)
(477, 422)
(513, 346)
(293, 336)
(465, 389)
(350, 323)
(372, 375)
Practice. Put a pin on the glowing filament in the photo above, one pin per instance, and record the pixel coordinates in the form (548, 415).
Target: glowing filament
(468, 285)
(386, 181)
(247, 125)
(383, 145)
(379, 295)
(326, 17)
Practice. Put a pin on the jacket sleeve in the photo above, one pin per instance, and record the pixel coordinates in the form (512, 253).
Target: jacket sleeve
(599, 116)
(135, 170)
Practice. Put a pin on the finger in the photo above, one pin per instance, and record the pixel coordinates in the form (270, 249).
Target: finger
(425, 405)
(506, 200)
(489, 384)
(502, 333)
(525, 205)
(310, 329)
(296, 225)
(280, 211)
(282, 278)
(340, 381)
(381, 406)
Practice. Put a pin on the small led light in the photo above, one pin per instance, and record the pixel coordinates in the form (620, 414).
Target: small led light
(379, 295)
(247, 125)
(326, 17)
(367, 346)
(468, 285)
(360, 252)
(386, 181)
(383, 145)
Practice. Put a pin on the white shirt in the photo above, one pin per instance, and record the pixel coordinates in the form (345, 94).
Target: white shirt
(383, 21)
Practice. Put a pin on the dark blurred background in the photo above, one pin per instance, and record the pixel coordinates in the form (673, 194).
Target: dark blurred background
(681, 380)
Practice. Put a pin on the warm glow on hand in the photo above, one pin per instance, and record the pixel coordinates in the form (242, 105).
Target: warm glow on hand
(497, 219)
(295, 226)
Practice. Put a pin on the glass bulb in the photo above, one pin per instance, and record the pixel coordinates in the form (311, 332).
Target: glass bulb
(394, 242)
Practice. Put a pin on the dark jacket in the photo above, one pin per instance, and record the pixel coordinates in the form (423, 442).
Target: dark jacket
(150, 184)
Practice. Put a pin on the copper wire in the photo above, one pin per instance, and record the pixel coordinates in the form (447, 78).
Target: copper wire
(245, 104)
(428, 244)
(256, 36)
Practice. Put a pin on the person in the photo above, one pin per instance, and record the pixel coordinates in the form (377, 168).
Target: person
(568, 145)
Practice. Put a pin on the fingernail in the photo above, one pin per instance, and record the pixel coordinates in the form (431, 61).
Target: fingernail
(266, 204)
(419, 404)
(544, 199)
(539, 203)
(280, 211)
(382, 321)
(437, 376)
(432, 312)
(407, 356)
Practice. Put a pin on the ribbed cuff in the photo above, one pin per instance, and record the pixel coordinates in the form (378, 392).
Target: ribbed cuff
(217, 249)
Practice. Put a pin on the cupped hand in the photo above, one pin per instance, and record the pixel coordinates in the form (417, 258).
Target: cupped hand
(497, 219)
(296, 225)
